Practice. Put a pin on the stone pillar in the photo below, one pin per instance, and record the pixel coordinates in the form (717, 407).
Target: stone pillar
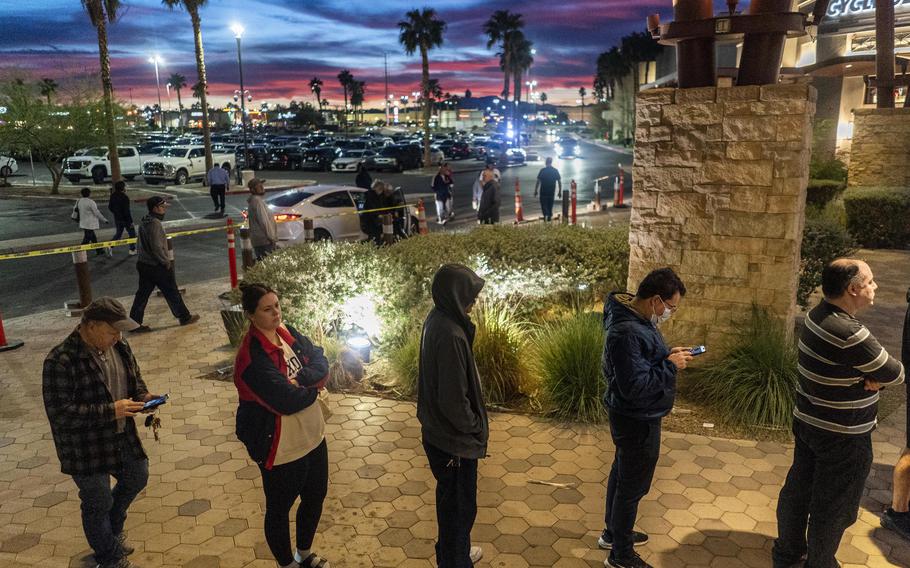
(719, 194)
(880, 153)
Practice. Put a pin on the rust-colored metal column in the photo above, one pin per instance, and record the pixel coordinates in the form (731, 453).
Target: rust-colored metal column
(695, 58)
(884, 54)
(763, 52)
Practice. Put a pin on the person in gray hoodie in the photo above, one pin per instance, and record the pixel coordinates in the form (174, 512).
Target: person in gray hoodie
(155, 268)
(263, 228)
(451, 411)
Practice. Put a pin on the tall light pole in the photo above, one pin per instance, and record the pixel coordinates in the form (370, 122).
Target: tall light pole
(238, 33)
(155, 60)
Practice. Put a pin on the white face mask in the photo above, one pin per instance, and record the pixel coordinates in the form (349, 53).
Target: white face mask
(663, 317)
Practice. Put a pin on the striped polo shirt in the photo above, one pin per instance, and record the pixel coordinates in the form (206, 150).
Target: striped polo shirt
(836, 355)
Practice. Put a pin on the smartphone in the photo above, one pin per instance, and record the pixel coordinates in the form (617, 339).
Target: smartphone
(155, 402)
(698, 350)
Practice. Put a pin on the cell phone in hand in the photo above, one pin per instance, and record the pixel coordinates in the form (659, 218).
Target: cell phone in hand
(155, 403)
(697, 350)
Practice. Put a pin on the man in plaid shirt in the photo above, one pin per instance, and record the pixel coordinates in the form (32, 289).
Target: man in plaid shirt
(92, 390)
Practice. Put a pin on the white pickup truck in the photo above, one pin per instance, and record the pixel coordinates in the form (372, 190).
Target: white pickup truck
(180, 164)
(94, 164)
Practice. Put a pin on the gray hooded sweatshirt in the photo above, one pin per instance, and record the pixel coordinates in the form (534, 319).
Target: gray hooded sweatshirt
(450, 403)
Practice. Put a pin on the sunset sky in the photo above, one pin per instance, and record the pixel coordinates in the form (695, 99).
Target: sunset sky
(287, 42)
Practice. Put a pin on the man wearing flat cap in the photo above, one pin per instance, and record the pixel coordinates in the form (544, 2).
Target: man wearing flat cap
(92, 389)
(155, 267)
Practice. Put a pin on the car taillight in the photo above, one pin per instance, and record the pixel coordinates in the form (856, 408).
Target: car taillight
(284, 217)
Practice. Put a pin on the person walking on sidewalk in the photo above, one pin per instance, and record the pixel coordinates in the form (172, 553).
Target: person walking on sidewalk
(394, 198)
(90, 219)
(841, 369)
(279, 374)
(547, 180)
(155, 267)
(370, 222)
(442, 191)
(451, 412)
(92, 389)
(119, 206)
(489, 172)
(363, 180)
(640, 371)
(219, 180)
(897, 517)
(488, 208)
(263, 227)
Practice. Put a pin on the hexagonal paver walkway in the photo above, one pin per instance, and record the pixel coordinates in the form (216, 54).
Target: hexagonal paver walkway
(540, 492)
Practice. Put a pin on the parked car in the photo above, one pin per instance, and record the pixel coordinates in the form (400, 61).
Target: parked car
(8, 166)
(568, 148)
(349, 160)
(320, 158)
(259, 157)
(437, 156)
(95, 165)
(285, 158)
(455, 150)
(398, 157)
(500, 151)
(181, 164)
(323, 204)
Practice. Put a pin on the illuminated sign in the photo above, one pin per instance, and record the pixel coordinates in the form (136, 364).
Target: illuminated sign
(841, 8)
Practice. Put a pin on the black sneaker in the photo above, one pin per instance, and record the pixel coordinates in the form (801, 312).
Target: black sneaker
(192, 319)
(605, 540)
(633, 561)
(125, 547)
(142, 329)
(897, 522)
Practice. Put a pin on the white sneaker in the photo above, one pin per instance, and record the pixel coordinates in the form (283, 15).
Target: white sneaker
(476, 554)
(133, 253)
(109, 251)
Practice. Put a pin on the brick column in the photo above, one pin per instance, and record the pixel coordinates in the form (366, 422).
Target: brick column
(719, 196)
(880, 152)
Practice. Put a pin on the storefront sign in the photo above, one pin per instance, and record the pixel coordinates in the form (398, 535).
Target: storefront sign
(840, 8)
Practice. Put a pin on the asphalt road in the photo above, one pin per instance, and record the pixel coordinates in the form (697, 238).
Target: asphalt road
(43, 283)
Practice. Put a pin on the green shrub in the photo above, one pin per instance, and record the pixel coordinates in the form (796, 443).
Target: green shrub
(833, 169)
(501, 352)
(404, 360)
(824, 239)
(820, 192)
(567, 359)
(753, 383)
(879, 217)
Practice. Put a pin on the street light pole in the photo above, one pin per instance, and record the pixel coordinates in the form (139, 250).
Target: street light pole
(238, 33)
(155, 59)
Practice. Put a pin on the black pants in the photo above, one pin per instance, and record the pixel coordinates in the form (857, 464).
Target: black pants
(307, 478)
(456, 506)
(217, 192)
(89, 237)
(822, 494)
(637, 450)
(128, 227)
(546, 205)
(157, 276)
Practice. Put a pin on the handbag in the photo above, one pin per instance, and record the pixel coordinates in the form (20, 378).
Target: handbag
(75, 215)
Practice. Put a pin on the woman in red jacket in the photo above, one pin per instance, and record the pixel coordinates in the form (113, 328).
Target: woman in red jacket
(278, 374)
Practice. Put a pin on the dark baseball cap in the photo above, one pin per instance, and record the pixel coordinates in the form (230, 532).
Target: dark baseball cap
(111, 311)
(155, 201)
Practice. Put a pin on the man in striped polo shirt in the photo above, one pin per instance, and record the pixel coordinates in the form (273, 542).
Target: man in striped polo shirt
(841, 369)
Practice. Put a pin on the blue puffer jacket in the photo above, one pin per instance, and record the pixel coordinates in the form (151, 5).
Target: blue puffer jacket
(641, 381)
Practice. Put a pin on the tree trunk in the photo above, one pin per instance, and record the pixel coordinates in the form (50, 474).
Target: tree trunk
(108, 92)
(516, 116)
(505, 63)
(425, 60)
(200, 68)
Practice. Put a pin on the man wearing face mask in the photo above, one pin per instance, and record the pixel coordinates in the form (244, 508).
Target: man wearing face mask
(640, 371)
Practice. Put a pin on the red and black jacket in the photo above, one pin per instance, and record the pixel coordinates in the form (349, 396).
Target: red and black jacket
(266, 393)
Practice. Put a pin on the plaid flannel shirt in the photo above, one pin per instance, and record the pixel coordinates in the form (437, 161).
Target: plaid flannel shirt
(80, 408)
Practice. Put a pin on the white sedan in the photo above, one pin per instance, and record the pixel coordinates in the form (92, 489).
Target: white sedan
(349, 160)
(8, 166)
(333, 209)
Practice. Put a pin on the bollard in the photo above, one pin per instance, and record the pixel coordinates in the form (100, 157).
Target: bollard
(565, 206)
(597, 195)
(519, 213)
(573, 217)
(308, 233)
(246, 249)
(388, 234)
(84, 283)
(232, 255)
(5, 344)
(422, 227)
(621, 184)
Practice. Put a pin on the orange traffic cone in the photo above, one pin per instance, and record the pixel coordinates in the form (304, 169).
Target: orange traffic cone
(519, 213)
(422, 218)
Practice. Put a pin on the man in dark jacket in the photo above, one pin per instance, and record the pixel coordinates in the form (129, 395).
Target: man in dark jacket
(119, 205)
(369, 222)
(155, 267)
(451, 411)
(640, 371)
(488, 209)
(92, 388)
(897, 517)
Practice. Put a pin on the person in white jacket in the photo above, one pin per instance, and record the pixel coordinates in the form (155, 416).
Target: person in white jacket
(263, 228)
(90, 219)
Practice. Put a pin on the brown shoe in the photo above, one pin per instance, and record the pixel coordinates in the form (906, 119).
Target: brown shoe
(190, 320)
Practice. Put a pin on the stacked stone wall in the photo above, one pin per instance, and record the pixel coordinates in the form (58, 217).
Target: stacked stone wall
(880, 152)
(719, 195)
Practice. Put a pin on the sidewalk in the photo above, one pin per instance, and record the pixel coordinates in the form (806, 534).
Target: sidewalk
(712, 502)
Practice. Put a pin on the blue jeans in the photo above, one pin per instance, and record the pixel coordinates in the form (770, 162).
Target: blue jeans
(104, 509)
(129, 230)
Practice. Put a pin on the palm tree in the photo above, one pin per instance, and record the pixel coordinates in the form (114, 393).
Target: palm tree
(101, 12)
(177, 82)
(500, 29)
(358, 92)
(582, 92)
(612, 66)
(192, 8)
(422, 30)
(48, 87)
(521, 61)
(346, 80)
(316, 89)
(640, 47)
(199, 89)
(543, 98)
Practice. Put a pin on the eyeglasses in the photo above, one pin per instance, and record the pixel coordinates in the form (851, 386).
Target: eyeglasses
(669, 306)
